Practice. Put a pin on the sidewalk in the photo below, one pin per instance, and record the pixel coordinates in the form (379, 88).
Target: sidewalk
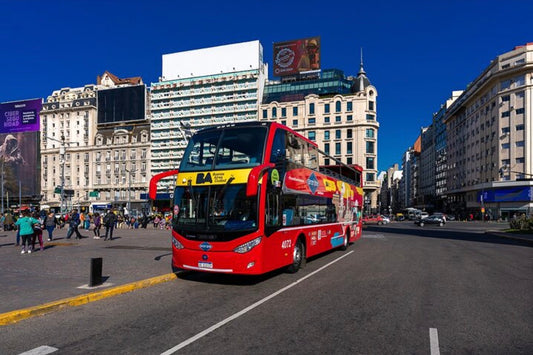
(62, 269)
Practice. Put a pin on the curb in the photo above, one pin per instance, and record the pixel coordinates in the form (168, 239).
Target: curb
(24, 313)
(511, 236)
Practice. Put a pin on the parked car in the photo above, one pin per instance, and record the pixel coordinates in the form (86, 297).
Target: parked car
(433, 219)
(373, 220)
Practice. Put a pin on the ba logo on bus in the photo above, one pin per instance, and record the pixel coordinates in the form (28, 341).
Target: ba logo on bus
(205, 246)
(203, 178)
(312, 183)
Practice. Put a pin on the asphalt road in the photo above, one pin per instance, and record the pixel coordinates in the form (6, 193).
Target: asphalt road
(401, 289)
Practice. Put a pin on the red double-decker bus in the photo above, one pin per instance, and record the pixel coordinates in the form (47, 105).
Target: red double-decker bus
(251, 198)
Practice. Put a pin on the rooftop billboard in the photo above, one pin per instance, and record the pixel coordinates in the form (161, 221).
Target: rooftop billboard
(122, 104)
(298, 56)
(20, 116)
(214, 60)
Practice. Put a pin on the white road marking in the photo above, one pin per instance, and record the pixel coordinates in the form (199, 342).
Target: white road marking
(373, 236)
(434, 341)
(41, 350)
(247, 309)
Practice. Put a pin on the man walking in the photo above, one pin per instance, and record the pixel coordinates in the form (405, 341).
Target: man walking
(109, 221)
(74, 221)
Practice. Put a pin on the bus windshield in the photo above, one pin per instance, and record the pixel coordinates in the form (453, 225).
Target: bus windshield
(217, 211)
(232, 147)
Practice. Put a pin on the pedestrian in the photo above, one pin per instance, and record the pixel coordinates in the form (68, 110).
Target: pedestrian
(25, 228)
(88, 222)
(97, 221)
(37, 231)
(73, 223)
(109, 221)
(8, 222)
(50, 223)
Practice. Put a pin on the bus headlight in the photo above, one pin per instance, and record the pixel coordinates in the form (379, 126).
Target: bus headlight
(246, 247)
(176, 243)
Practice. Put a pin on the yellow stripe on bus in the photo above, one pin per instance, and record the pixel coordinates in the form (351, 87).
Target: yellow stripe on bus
(216, 177)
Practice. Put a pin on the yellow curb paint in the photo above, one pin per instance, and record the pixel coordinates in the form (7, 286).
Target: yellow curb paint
(20, 314)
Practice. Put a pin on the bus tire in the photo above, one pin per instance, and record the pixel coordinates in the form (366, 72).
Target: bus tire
(346, 240)
(298, 256)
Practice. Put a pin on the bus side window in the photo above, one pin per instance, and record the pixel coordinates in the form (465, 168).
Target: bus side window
(278, 147)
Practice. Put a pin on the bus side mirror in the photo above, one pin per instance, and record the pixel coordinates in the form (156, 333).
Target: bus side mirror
(253, 178)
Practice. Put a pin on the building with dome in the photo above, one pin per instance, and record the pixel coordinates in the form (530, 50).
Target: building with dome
(339, 113)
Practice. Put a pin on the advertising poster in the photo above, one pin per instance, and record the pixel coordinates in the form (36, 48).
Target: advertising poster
(19, 162)
(20, 116)
(298, 56)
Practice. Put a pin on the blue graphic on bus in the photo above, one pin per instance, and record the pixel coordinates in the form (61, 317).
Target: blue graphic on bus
(336, 240)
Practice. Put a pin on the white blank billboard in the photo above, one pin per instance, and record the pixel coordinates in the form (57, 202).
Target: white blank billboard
(214, 60)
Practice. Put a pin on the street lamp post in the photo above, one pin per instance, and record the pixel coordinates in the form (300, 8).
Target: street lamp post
(129, 188)
(62, 161)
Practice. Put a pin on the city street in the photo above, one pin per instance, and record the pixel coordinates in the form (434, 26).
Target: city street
(400, 289)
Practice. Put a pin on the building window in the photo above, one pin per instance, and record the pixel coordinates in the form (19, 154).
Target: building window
(349, 148)
(284, 122)
(520, 144)
(369, 177)
(311, 108)
(338, 106)
(295, 123)
(520, 127)
(311, 135)
(370, 163)
(312, 120)
(326, 148)
(295, 111)
(505, 145)
(337, 134)
(349, 106)
(274, 112)
(337, 118)
(520, 160)
(326, 108)
(283, 112)
(519, 111)
(349, 161)
(326, 161)
(349, 133)
(337, 148)
(326, 135)
(265, 114)
(326, 119)
(349, 118)
(369, 133)
(370, 147)
(371, 105)
(369, 117)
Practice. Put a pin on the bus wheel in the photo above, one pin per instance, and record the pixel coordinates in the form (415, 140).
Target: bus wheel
(346, 240)
(297, 257)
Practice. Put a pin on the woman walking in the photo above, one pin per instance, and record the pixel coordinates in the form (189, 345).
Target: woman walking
(37, 232)
(97, 220)
(25, 227)
(50, 223)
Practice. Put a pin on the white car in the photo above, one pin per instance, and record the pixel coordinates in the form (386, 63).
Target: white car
(386, 220)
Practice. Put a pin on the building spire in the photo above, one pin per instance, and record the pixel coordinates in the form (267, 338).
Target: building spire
(361, 69)
(361, 81)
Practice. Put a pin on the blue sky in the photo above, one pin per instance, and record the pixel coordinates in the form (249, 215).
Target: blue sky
(415, 52)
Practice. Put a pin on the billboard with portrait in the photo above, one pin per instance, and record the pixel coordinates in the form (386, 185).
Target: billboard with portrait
(19, 162)
(20, 116)
(298, 56)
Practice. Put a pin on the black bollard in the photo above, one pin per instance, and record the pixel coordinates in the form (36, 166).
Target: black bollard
(96, 272)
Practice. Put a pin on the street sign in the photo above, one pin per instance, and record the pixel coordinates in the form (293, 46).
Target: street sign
(94, 194)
